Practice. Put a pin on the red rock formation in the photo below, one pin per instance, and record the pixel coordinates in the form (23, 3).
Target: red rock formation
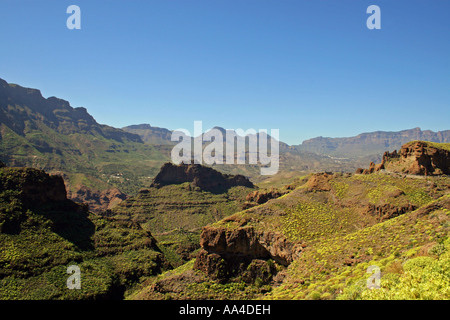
(428, 160)
(417, 157)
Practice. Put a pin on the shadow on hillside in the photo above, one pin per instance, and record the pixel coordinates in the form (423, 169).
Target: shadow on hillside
(71, 221)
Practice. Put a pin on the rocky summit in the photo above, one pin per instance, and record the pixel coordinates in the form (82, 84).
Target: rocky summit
(200, 176)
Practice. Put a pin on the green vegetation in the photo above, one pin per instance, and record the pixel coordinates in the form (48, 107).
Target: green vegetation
(342, 237)
(345, 223)
(86, 159)
(186, 283)
(175, 215)
(425, 276)
(445, 146)
(337, 267)
(41, 236)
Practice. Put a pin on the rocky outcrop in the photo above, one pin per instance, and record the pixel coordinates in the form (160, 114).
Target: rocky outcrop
(200, 176)
(387, 211)
(37, 188)
(319, 182)
(98, 201)
(229, 252)
(25, 189)
(425, 159)
(417, 158)
(258, 197)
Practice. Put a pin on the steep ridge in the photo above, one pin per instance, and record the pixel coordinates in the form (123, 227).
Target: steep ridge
(23, 109)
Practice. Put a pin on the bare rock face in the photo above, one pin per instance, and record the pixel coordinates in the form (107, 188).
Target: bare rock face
(98, 201)
(417, 158)
(425, 159)
(200, 176)
(228, 252)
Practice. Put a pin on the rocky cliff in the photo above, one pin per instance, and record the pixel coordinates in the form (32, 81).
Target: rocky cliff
(42, 232)
(243, 251)
(417, 158)
(200, 176)
(25, 189)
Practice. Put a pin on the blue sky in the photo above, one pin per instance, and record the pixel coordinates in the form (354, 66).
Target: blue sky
(308, 68)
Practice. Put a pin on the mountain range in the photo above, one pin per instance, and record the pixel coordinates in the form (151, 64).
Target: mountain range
(364, 144)
(108, 200)
(370, 143)
(49, 134)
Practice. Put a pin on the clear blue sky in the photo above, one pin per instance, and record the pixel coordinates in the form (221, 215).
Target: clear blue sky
(308, 68)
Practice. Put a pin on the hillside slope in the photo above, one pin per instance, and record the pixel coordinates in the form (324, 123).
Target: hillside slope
(51, 135)
(317, 241)
(181, 200)
(42, 233)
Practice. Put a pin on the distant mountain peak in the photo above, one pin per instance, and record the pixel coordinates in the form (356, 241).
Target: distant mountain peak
(142, 126)
(370, 142)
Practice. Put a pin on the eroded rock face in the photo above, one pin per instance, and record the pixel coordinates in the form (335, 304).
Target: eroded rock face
(98, 201)
(227, 252)
(200, 176)
(427, 160)
(418, 158)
